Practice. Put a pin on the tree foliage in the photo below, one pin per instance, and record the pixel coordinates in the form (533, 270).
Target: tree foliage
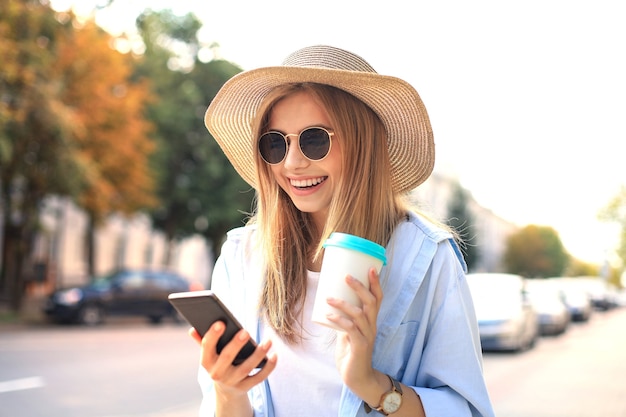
(535, 252)
(112, 140)
(70, 125)
(615, 212)
(461, 219)
(34, 126)
(199, 190)
(578, 268)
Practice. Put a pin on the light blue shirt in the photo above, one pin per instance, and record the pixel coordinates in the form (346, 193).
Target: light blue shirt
(427, 331)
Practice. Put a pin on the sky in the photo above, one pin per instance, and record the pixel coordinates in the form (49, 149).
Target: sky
(527, 99)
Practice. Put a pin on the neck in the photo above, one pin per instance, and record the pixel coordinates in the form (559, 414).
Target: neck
(320, 218)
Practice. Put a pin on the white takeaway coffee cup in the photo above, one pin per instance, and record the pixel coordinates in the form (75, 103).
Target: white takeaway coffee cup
(344, 255)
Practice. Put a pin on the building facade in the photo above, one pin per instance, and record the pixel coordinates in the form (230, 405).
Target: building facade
(59, 257)
(490, 231)
(122, 242)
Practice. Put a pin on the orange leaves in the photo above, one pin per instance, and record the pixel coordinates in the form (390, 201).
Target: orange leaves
(66, 93)
(109, 109)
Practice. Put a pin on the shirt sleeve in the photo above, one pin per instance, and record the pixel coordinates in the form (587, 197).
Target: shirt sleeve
(427, 334)
(449, 379)
(228, 283)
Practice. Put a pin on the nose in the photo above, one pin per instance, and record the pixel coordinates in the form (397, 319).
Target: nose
(294, 157)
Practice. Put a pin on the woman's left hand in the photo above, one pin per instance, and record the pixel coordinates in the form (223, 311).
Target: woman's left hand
(355, 345)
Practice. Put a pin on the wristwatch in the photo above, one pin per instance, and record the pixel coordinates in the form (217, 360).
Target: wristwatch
(390, 401)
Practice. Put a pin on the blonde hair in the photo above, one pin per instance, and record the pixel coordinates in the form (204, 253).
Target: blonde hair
(363, 204)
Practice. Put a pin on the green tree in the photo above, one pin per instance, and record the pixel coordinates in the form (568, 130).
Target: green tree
(65, 103)
(615, 212)
(113, 140)
(461, 219)
(578, 268)
(535, 252)
(37, 154)
(199, 190)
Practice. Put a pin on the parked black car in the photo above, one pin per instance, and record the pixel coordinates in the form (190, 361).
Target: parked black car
(129, 292)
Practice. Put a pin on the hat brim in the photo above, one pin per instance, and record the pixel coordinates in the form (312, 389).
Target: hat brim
(410, 138)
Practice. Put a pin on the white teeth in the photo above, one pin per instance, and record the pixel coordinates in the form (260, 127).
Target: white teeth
(307, 183)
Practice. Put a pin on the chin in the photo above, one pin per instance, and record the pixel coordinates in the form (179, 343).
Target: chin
(310, 207)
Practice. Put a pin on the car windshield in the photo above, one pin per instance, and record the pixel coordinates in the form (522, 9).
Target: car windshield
(493, 302)
(102, 282)
(495, 297)
(106, 281)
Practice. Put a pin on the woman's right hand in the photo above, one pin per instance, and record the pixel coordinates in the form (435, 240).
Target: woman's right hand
(233, 382)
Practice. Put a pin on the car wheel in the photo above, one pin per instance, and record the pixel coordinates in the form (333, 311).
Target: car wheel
(521, 343)
(91, 315)
(155, 319)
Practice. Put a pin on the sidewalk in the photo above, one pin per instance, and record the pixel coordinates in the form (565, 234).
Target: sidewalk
(190, 410)
(31, 313)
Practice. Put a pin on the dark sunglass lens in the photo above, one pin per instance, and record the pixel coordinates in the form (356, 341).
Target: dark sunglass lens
(315, 143)
(272, 147)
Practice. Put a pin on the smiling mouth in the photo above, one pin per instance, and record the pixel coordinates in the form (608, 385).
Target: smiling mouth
(308, 183)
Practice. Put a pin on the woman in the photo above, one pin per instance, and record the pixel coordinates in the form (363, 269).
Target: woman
(329, 146)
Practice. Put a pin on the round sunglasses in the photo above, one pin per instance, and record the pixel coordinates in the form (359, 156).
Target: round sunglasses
(314, 143)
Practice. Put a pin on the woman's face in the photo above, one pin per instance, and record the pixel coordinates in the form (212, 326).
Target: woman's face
(309, 184)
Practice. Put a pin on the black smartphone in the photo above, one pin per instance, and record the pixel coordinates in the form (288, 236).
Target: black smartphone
(203, 308)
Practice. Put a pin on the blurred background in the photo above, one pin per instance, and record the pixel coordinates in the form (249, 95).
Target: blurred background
(109, 181)
(106, 164)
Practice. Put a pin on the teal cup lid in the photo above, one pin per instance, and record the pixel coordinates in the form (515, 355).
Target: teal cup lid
(344, 240)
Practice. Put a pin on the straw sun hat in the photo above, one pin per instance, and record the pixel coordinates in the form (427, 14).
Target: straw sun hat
(410, 137)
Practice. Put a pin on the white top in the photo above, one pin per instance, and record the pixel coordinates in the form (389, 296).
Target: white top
(317, 388)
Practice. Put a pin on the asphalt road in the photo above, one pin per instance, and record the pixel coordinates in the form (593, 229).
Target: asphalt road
(132, 369)
(581, 373)
(116, 370)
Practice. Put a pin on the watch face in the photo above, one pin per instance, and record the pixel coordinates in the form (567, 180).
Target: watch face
(392, 402)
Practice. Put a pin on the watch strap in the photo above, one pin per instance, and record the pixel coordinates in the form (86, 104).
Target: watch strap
(395, 387)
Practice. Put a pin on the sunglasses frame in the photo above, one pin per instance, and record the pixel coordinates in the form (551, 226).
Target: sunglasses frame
(298, 135)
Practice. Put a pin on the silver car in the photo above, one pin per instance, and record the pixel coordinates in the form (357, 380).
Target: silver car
(507, 319)
(546, 297)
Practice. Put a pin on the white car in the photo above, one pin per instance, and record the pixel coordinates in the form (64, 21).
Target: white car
(506, 318)
(554, 314)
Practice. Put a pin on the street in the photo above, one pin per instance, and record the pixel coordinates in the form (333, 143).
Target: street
(579, 374)
(116, 370)
(132, 369)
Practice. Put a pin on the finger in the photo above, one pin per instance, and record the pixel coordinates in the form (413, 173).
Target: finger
(242, 375)
(259, 356)
(352, 318)
(370, 307)
(209, 344)
(369, 301)
(344, 323)
(247, 374)
(220, 365)
(357, 286)
(195, 335)
(258, 376)
(234, 346)
(375, 288)
(351, 312)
